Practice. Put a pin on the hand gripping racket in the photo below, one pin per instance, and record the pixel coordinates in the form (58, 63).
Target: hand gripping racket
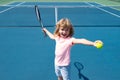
(37, 11)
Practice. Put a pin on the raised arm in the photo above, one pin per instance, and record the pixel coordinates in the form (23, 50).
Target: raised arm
(83, 41)
(49, 33)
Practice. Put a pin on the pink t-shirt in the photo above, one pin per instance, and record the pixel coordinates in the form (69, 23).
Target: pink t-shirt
(62, 51)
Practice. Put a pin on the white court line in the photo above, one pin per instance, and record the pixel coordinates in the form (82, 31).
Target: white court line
(118, 16)
(56, 15)
(109, 6)
(11, 7)
(109, 12)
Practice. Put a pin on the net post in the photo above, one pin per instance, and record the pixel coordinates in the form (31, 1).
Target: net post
(56, 14)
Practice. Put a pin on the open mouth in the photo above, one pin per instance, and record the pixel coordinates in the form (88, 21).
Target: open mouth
(63, 35)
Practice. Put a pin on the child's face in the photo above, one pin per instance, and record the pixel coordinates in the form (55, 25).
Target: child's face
(64, 32)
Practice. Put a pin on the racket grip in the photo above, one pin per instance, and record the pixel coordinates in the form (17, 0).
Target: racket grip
(45, 34)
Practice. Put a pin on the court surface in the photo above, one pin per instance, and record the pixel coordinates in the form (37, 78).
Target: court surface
(25, 54)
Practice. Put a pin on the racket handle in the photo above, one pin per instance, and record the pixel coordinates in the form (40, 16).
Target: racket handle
(45, 34)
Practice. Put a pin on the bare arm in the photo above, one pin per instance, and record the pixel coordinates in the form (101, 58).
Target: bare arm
(49, 33)
(83, 41)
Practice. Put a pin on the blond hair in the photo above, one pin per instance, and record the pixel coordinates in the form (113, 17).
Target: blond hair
(64, 23)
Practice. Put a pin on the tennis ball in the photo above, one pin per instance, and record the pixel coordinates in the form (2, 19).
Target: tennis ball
(98, 44)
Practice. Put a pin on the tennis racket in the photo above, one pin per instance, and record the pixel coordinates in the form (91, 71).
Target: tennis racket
(80, 67)
(37, 11)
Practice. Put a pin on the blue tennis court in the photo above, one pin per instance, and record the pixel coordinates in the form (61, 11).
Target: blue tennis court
(26, 55)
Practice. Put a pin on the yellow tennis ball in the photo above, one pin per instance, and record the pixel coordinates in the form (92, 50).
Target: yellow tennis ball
(98, 44)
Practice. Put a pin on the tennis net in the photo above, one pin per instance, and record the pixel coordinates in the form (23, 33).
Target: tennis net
(80, 16)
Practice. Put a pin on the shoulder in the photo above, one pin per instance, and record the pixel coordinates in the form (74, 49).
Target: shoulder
(71, 40)
(56, 37)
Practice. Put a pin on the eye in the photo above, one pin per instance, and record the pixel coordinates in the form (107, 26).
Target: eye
(67, 30)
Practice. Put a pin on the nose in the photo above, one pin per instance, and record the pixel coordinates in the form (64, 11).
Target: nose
(64, 31)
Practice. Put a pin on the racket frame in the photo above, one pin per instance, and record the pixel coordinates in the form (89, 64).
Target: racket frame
(37, 11)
